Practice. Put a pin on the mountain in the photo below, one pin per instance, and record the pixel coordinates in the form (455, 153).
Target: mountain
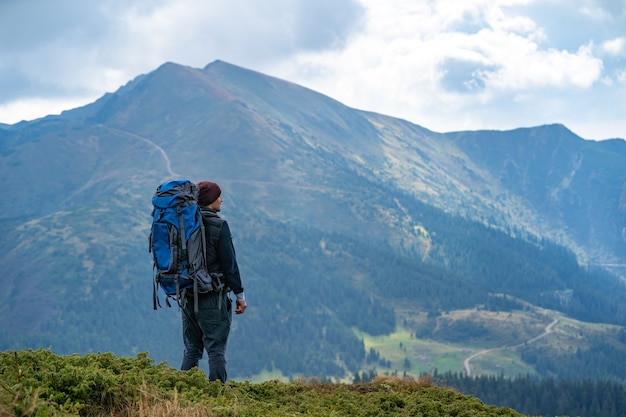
(575, 187)
(348, 225)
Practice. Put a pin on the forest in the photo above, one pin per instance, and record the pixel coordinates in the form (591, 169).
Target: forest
(481, 261)
(543, 397)
(309, 289)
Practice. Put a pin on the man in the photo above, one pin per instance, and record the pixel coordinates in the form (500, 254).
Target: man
(209, 327)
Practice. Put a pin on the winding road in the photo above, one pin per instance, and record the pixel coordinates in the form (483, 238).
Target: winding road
(546, 331)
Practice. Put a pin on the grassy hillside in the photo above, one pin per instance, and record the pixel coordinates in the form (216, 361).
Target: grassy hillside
(524, 341)
(350, 227)
(431, 317)
(40, 383)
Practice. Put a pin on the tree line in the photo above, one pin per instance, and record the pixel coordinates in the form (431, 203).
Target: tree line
(306, 298)
(543, 397)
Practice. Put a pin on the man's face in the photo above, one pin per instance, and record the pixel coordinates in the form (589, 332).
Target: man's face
(217, 204)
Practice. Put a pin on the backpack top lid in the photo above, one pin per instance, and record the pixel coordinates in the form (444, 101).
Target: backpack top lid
(173, 193)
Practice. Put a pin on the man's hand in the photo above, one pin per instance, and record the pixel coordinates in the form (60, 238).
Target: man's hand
(241, 306)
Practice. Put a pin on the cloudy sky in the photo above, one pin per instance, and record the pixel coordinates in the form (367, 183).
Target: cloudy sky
(443, 64)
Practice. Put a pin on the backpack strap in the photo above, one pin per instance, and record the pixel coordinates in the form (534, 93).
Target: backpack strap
(181, 297)
(177, 287)
(195, 295)
(202, 237)
(203, 241)
(155, 289)
(182, 236)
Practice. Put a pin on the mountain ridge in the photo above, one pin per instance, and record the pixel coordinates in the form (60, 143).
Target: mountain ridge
(344, 211)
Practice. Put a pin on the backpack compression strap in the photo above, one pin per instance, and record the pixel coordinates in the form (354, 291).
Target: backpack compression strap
(155, 295)
(204, 265)
(183, 245)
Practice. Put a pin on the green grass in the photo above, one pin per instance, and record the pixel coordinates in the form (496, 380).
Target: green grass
(424, 355)
(445, 351)
(40, 383)
(498, 362)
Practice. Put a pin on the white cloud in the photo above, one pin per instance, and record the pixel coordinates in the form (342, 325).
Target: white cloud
(445, 64)
(528, 67)
(615, 47)
(595, 12)
(426, 61)
(34, 108)
(81, 47)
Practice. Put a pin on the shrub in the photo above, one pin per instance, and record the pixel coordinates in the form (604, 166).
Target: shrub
(39, 383)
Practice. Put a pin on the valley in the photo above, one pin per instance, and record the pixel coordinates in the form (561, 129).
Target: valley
(365, 241)
(480, 342)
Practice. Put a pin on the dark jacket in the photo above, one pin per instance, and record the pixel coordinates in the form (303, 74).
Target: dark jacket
(220, 249)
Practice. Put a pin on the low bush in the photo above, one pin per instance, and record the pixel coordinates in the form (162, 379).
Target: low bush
(41, 383)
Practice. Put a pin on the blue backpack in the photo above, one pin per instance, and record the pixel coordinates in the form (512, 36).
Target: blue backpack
(178, 243)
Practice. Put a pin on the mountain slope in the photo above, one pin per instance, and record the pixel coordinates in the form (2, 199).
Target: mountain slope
(576, 187)
(340, 218)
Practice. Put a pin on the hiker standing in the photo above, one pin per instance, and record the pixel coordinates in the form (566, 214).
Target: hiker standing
(208, 327)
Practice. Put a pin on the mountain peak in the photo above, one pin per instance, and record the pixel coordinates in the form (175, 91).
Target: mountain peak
(351, 212)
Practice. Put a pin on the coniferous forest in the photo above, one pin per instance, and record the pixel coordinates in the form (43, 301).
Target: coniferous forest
(543, 397)
(350, 227)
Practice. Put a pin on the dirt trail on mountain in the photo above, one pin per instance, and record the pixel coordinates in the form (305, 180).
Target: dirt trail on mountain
(168, 162)
(546, 331)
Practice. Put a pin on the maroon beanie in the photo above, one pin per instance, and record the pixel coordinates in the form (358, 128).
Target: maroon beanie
(208, 192)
